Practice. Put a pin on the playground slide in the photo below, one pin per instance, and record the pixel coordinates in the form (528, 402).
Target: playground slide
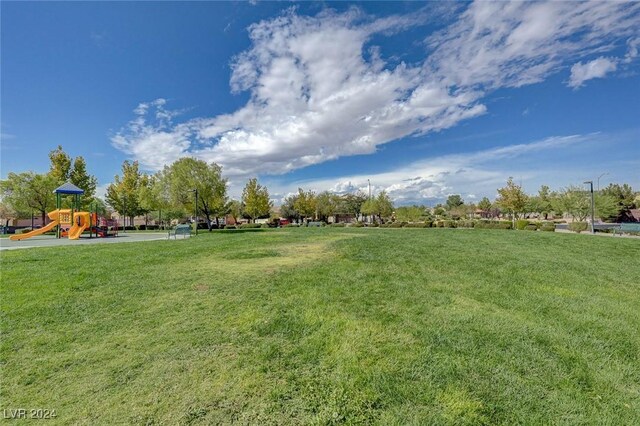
(82, 222)
(34, 232)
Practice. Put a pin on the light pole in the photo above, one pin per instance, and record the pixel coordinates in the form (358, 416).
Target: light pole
(593, 212)
(369, 185)
(598, 180)
(195, 209)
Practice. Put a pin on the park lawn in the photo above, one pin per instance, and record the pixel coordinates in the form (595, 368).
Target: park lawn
(324, 326)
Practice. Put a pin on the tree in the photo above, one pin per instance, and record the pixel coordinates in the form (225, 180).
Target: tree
(26, 192)
(607, 208)
(485, 206)
(410, 214)
(60, 167)
(384, 205)
(454, 201)
(512, 198)
(370, 207)
(122, 194)
(80, 178)
(255, 200)
(327, 204)
(305, 203)
(234, 208)
(624, 196)
(7, 213)
(351, 204)
(187, 174)
(574, 201)
(288, 209)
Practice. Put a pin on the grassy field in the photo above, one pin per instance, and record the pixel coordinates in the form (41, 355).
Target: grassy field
(326, 326)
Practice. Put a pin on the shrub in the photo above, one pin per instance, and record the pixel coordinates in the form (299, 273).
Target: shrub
(531, 227)
(466, 224)
(374, 225)
(578, 226)
(548, 227)
(291, 225)
(337, 225)
(357, 225)
(23, 230)
(264, 226)
(418, 225)
(521, 224)
(491, 224)
(229, 227)
(249, 226)
(449, 224)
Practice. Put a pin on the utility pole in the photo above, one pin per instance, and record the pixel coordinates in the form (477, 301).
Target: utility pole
(593, 209)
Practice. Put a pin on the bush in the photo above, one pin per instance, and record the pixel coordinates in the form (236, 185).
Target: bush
(230, 227)
(418, 225)
(291, 225)
(265, 226)
(548, 227)
(531, 227)
(578, 226)
(337, 225)
(466, 224)
(449, 224)
(521, 224)
(492, 224)
(250, 226)
(357, 225)
(23, 230)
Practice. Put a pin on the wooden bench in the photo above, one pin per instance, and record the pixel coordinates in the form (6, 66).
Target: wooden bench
(626, 227)
(184, 230)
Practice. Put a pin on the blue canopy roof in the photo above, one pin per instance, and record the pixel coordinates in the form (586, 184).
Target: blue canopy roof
(68, 188)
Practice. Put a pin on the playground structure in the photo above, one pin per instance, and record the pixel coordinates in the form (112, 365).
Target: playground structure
(71, 222)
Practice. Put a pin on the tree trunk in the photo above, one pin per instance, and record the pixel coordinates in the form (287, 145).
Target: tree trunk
(44, 215)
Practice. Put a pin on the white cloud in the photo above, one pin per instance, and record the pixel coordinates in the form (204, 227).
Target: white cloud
(597, 68)
(470, 174)
(319, 89)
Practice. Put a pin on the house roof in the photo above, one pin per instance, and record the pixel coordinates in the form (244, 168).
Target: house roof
(68, 188)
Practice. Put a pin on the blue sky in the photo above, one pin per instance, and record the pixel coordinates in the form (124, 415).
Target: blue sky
(422, 99)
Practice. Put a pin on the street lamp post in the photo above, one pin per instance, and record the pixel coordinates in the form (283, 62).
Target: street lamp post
(598, 180)
(195, 209)
(593, 209)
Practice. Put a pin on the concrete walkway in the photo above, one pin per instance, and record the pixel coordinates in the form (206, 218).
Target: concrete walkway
(50, 241)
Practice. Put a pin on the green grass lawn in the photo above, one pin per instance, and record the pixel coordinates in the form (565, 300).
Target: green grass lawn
(323, 326)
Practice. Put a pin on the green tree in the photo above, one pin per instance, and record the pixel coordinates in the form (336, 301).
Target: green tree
(288, 209)
(305, 204)
(327, 204)
(255, 200)
(187, 174)
(122, 193)
(607, 208)
(27, 192)
(60, 168)
(485, 206)
(351, 204)
(385, 206)
(370, 208)
(83, 180)
(624, 196)
(410, 214)
(454, 201)
(512, 198)
(574, 201)
(234, 208)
